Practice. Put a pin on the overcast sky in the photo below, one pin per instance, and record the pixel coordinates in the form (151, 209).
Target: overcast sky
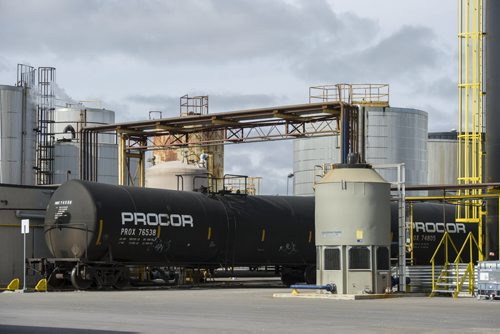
(137, 56)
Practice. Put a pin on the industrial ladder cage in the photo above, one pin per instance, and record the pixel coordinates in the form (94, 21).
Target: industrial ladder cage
(45, 130)
(471, 113)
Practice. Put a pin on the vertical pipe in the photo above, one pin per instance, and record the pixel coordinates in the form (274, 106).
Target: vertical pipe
(121, 158)
(24, 131)
(345, 135)
(362, 134)
(492, 119)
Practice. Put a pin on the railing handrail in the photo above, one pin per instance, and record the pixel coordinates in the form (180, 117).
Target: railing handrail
(471, 238)
(446, 237)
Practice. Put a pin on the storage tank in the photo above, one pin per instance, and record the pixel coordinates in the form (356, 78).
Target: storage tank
(393, 135)
(67, 162)
(17, 137)
(442, 158)
(68, 121)
(177, 175)
(353, 230)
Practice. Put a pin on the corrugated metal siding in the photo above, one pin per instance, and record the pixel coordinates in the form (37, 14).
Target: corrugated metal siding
(67, 156)
(442, 160)
(10, 134)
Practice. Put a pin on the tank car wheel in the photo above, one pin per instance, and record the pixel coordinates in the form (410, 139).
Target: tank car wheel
(121, 279)
(81, 277)
(310, 275)
(56, 279)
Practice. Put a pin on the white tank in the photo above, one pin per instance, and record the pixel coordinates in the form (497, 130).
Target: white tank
(393, 135)
(71, 119)
(17, 135)
(176, 175)
(67, 157)
(68, 121)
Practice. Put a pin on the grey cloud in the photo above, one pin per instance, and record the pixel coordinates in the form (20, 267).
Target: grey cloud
(63, 97)
(442, 88)
(5, 65)
(213, 31)
(243, 101)
(270, 160)
(217, 102)
(399, 56)
(442, 117)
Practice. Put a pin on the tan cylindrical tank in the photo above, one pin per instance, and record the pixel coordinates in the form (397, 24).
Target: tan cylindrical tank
(353, 208)
(353, 230)
(193, 152)
(176, 175)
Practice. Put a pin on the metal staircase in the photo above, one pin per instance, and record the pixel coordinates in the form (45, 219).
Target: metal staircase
(454, 280)
(456, 277)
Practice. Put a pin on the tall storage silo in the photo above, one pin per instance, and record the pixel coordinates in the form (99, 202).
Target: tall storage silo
(68, 121)
(442, 158)
(393, 135)
(17, 127)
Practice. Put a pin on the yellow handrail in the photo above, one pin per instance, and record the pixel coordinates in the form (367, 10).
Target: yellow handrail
(469, 272)
(446, 237)
(470, 237)
(444, 240)
(470, 268)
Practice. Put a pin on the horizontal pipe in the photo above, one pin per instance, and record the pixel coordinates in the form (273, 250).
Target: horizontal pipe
(328, 287)
(19, 225)
(30, 215)
(450, 186)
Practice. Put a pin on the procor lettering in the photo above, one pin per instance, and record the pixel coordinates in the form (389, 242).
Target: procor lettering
(155, 219)
(431, 227)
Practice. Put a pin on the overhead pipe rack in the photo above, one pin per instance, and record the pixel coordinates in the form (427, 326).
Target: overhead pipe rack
(253, 125)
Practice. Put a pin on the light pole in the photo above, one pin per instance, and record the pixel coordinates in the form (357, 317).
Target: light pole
(291, 175)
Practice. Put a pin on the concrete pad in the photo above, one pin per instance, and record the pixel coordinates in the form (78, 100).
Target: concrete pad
(309, 295)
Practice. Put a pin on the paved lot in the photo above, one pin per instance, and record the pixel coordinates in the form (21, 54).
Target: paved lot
(238, 310)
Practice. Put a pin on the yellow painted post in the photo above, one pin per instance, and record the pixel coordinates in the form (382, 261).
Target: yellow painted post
(471, 270)
(141, 169)
(121, 158)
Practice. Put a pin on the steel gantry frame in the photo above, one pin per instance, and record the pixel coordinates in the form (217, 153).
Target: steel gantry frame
(470, 121)
(253, 125)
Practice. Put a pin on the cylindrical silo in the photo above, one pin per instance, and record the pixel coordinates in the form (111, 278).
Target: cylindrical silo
(393, 135)
(68, 121)
(177, 175)
(353, 229)
(492, 119)
(17, 137)
(29, 121)
(442, 158)
(67, 160)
